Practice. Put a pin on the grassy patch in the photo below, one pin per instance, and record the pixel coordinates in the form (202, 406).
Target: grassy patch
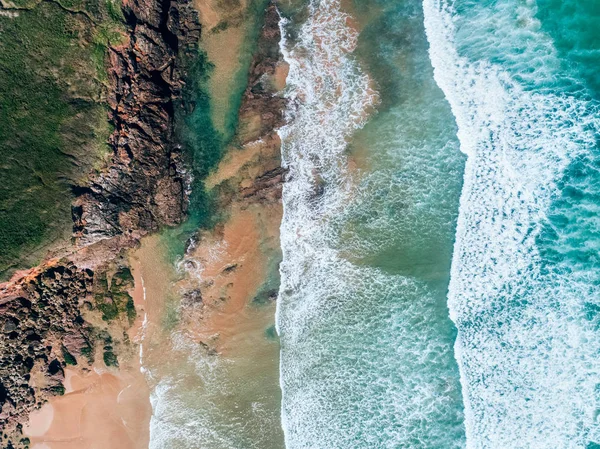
(88, 352)
(110, 359)
(69, 358)
(112, 297)
(53, 122)
(58, 390)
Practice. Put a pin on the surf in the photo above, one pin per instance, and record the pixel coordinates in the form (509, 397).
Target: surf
(524, 302)
(366, 235)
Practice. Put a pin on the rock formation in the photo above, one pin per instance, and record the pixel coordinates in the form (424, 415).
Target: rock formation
(41, 323)
(46, 313)
(145, 184)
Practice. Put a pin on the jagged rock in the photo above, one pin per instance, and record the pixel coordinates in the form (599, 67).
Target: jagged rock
(266, 187)
(41, 314)
(259, 95)
(75, 342)
(145, 184)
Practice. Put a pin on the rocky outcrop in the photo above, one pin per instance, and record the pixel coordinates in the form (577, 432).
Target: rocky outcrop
(145, 185)
(262, 100)
(41, 326)
(260, 95)
(44, 312)
(55, 316)
(266, 187)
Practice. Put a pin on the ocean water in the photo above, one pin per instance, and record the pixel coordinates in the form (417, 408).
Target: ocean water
(440, 274)
(370, 208)
(521, 78)
(225, 401)
(440, 281)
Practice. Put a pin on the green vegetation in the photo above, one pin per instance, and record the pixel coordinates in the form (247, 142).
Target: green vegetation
(109, 356)
(110, 359)
(69, 358)
(88, 353)
(112, 297)
(58, 390)
(53, 122)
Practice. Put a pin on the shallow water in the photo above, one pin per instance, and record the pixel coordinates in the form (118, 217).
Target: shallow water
(439, 285)
(369, 213)
(210, 352)
(225, 399)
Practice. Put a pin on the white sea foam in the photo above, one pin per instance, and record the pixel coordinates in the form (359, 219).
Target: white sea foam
(176, 421)
(329, 95)
(210, 402)
(529, 362)
(175, 424)
(362, 363)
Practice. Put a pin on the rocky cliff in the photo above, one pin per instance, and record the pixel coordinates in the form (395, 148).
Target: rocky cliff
(145, 184)
(46, 313)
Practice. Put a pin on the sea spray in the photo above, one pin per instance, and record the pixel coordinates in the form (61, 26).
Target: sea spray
(523, 292)
(366, 358)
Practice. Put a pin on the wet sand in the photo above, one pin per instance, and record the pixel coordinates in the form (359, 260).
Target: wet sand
(206, 335)
(98, 410)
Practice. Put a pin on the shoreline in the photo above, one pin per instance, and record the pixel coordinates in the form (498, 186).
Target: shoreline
(227, 311)
(219, 306)
(98, 408)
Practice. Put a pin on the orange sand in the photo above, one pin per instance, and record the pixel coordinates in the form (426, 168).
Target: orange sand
(98, 410)
(223, 47)
(234, 266)
(281, 73)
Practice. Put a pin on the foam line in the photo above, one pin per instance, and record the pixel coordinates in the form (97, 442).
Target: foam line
(363, 362)
(528, 358)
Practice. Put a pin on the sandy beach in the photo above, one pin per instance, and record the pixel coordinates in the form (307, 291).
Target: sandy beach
(231, 271)
(102, 407)
(98, 410)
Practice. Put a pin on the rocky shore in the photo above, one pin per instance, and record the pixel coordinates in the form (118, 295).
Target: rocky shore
(74, 313)
(146, 182)
(213, 310)
(74, 310)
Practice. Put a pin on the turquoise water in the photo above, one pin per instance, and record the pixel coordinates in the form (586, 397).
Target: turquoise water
(441, 270)
(367, 359)
(520, 78)
(440, 278)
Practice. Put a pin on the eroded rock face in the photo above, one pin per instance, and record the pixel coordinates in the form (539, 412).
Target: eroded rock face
(40, 319)
(145, 185)
(262, 99)
(260, 95)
